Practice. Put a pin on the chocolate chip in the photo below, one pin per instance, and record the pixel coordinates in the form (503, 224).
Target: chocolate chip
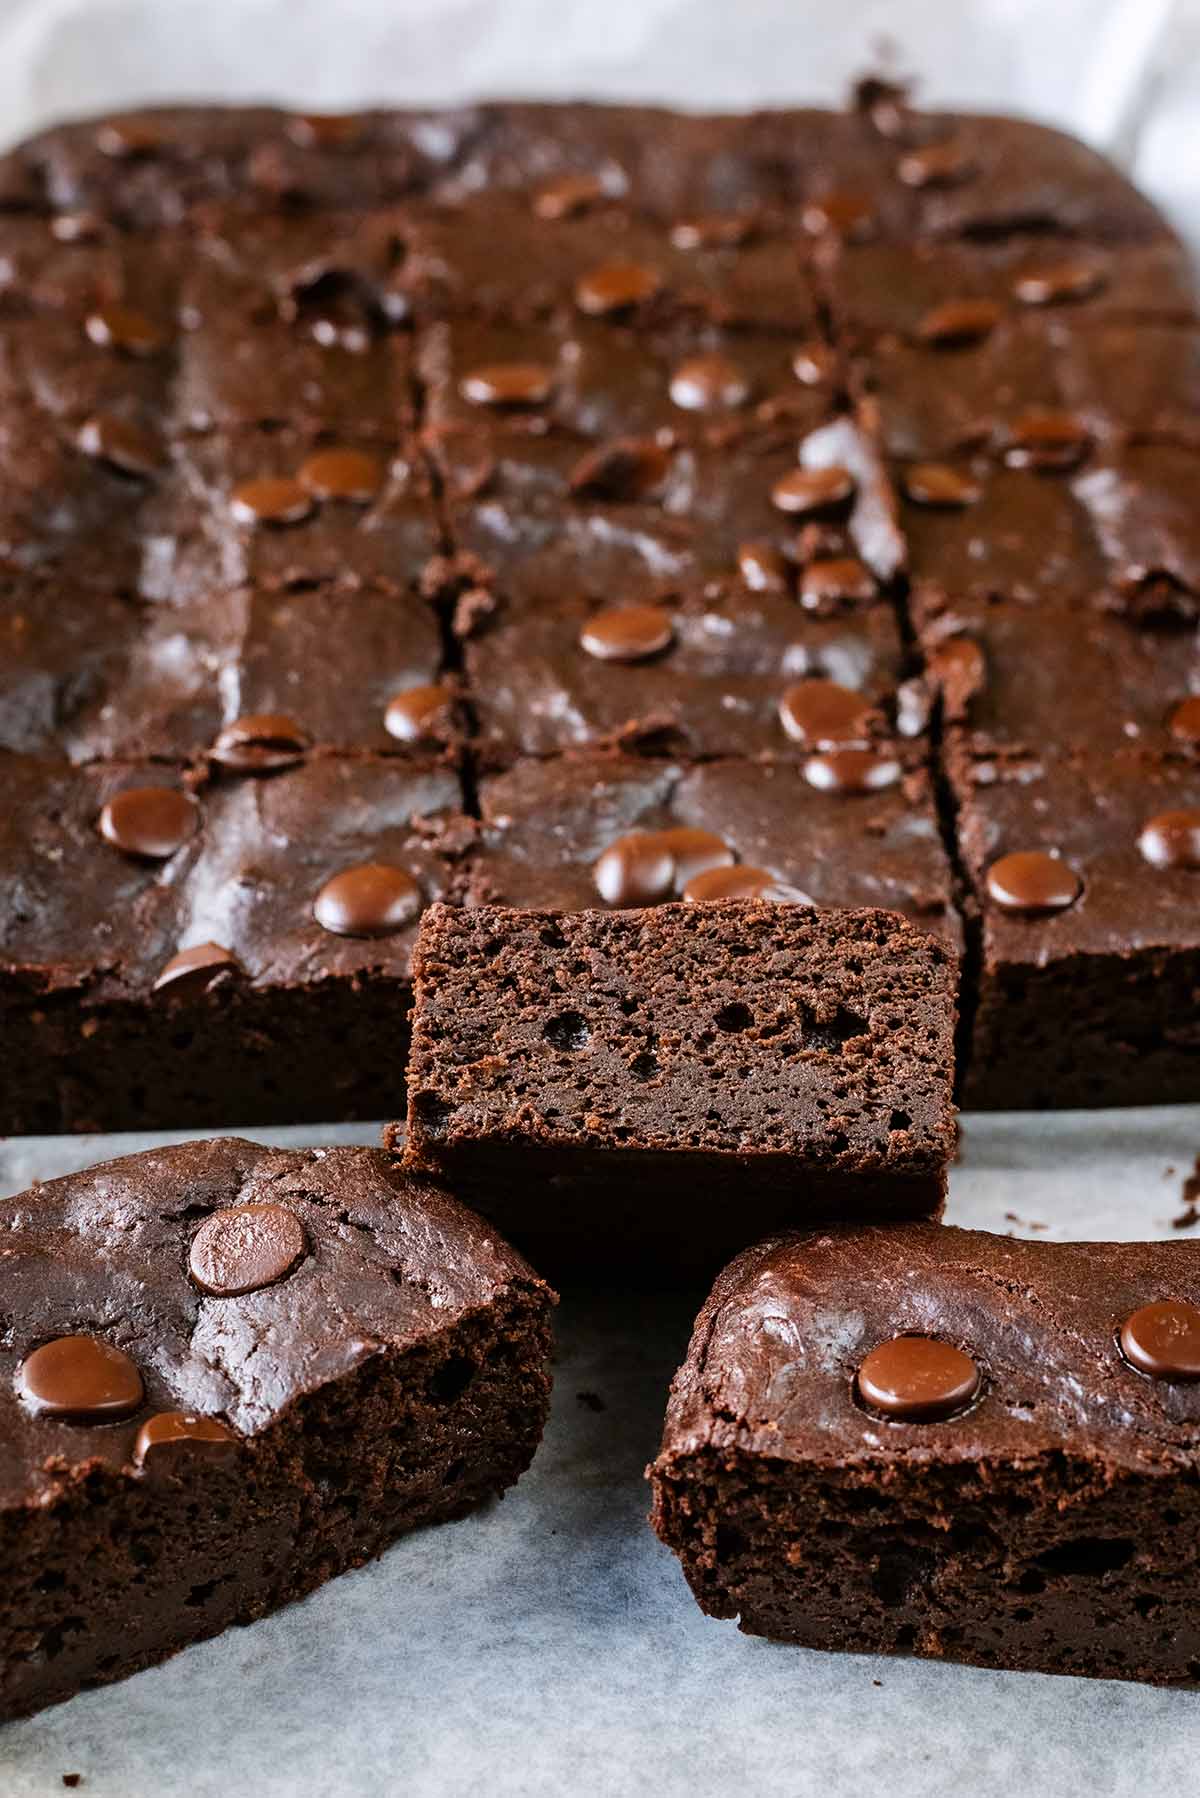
(261, 743)
(940, 484)
(741, 882)
(1163, 1340)
(1045, 439)
(122, 138)
(77, 227)
(936, 165)
(370, 899)
(117, 327)
(917, 1379)
(763, 567)
(713, 231)
(568, 196)
(627, 633)
(803, 492)
(820, 713)
(163, 1437)
(957, 322)
(637, 869)
(1063, 281)
(627, 469)
(1185, 720)
(419, 714)
(80, 1379)
(814, 364)
(1172, 839)
(710, 383)
(149, 822)
(347, 474)
(847, 215)
(831, 581)
(270, 499)
(851, 771)
(616, 287)
(246, 1248)
(1031, 880)
(194, 970)
(694, 852)
(959, 667)
(121, 443)
(324, 130)
(508, 384)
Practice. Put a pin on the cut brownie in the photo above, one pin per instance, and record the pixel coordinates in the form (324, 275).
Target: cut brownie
(230, 1372)
(947, 1443)
(682, 1077)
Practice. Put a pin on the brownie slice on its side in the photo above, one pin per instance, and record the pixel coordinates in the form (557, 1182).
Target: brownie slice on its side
(944, 1442)
(229, 1372)
(681, 1078)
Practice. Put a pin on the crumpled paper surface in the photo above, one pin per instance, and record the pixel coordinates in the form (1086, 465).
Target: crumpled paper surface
(549, 1645)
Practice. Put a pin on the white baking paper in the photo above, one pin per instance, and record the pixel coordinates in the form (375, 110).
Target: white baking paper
(549, 1645)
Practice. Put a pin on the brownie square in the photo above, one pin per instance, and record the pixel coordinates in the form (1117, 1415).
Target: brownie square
(623, 1065)
(231, 1372)
(926, 1440)
(545, 825)
(1086, 985)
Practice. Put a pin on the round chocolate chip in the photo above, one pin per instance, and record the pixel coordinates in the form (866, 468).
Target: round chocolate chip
(832, 581)
(957, 322)
(261, 743)
(940, 484)
(805, 491)
(851, 771)
(371, 899)
(1163, 1340)
(820, 713)
(80, 1380)
(814, 364)
(936, 165)
(508, 384)
(76, 227)
(245, 1248)
(270, 499)
(419, 714)
(638, 869)
(121, 443)
(1045, 439)
(349, 474)
(1059, 283)
(127, 138)
(149, 822)
(841, 214)
(763, 567)
(1031, 880)
(1185, 720)
(694, 851)
(117, 327)
(959, 666)
(627, 633)
(1172, 839)
(713, 231)
(168, 1434)
(741, 882)
(324, 130)
(568, 196)
(616, 287)
(917, 1379)
(625, 470)
(194, 970)
(709, 383)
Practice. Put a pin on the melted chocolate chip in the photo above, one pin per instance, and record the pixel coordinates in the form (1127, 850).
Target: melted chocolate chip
(121, 443)
(832, 581)
(80, 1379)
(616, 287)
(245, 1248)
(1185, 720)
(1163, 1340)
(1045, 439)
(627, 633)
(1172, 839)
(1059, 283)
(508, 384)
(347, 474)
(763, 567)
(168, 1435)
(627, 469)
(957, 322)
(371, 899)
(709, 383)
(741, 882)
(637, 869)
(713, 231)
(261, 743)
(194, 970)
(851, 771)
(814, 364)
(568, 196)
(940, 484)
(936, 165)
(117, 327)
(917, 1379)
(324, 130)
(803, 492)
(419, 714)
(1031, 880)
(149, 822)
(127, 138)
(270, 499)
(846, 215)
(77, 227)
(693, 852)
(820, 713)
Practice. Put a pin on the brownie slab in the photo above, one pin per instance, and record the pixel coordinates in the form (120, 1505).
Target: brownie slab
(229, 1373)
(598, 1079)
(943, 1442)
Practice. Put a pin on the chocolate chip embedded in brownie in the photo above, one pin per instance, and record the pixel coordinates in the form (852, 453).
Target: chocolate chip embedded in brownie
(940, 1442)
(683, 1076)
(230, 1372)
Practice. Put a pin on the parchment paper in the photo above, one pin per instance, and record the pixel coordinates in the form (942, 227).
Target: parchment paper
(549, 1645)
